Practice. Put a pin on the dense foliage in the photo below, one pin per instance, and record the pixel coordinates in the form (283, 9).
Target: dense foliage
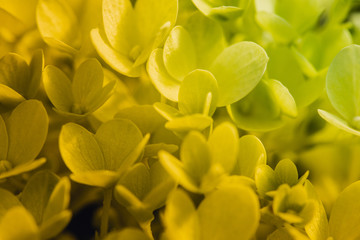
(180, 119)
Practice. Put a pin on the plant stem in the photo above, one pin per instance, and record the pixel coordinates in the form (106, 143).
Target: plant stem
(105, 213)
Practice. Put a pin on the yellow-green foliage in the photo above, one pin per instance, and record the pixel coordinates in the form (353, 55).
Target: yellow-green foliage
(180, 119)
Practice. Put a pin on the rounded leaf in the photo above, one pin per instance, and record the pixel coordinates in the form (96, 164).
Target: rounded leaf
(338, 122)
(27, 130)
(15, 73)
(179, 53)
(58, 24)
(176, 170)
(258, 111)
(7, 201)
(118, 61)
(180, 217)
(119, 24)
(58, 200)
(36, 193)
(344, 218)
(208, 38)
(286, 172)
(195, 155)
(117, 139)
(265, 179)
(163, 82)
(58, 88)
(231, 212)
(15, 219)
(79, 149)
(224, 146)
(279, 28)
(198, 93)
(251, 154)
(238, 69)
(88, 80)
(343, 82)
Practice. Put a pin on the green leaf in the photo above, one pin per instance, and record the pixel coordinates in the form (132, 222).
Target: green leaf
(300, 15)
(338, 122)
(304, 90)
(97, 98)
(27, 130)
(265, 179)
(338, 11)
(236, 180)
(179, 53)
(197, 122)
(279, 28)
(168, 112)
(58, 25)
(15, 73)
(198, 93)
(127, 198)
(55, 225)
(226, 12)
(7, 201)
(145, 117)
(320, 48)
(180, 217)
(15, 219)
(96, 178)
(58, 200)
(290, 204)
(286, 172)
(258, 111)
(116, 60)
(4, 140)
(342, 82)
(305, 65)
(127, 233)
(282, 97)
(87, 81)
(238, 69)
(195, 156)
(119, 24)
(318, 226)
(24, 167)
(135, 154)
(117, 139)
(119, 98)
(133, 32)
(36, 69)
(221, 10)
(161, 185)
(79, 149)
(229, 213)
(137, 180)
(163, 82)
(22, 10)
(36, 193)
(9, 97)
(176, 170)
(224, 146)
(152, 16)
(251, 155)
(151, 150)
(344, 220)
(58, 88)
(208, 38)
